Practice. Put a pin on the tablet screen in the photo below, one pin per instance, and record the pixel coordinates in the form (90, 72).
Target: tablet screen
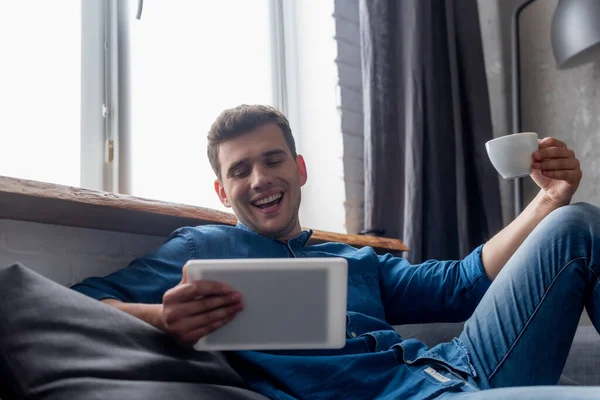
(291, 305)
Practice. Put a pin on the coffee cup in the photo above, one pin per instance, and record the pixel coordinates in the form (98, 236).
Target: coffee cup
(511, 155)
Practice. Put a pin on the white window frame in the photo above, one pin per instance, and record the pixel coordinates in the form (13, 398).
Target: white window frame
(92, 94)
(105, 119)
(289, 58)
(106, 108)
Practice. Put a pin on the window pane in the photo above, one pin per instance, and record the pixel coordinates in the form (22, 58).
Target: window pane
(190, 60)
(40, 73)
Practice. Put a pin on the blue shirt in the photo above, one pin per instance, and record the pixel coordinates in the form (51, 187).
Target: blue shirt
(376, 363)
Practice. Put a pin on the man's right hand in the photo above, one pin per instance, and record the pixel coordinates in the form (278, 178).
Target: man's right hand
(192, 310)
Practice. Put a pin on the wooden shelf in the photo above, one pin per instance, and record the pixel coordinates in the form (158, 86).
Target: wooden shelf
(64, 205)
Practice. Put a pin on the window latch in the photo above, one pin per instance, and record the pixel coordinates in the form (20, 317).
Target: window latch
(109, 151)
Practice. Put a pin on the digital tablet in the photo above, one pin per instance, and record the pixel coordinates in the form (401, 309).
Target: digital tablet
(289, 303)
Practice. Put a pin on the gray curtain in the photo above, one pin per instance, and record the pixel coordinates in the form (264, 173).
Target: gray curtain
(428, 180)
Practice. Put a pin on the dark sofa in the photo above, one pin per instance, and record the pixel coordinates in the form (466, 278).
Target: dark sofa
(56, 343)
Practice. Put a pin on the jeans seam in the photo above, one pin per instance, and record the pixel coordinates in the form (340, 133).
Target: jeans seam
(594, 272)
(514, 343)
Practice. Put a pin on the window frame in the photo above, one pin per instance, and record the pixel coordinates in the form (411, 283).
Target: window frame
(105, 96)
(106, 156)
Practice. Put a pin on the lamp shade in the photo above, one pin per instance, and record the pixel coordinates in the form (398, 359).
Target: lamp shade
(576, 32)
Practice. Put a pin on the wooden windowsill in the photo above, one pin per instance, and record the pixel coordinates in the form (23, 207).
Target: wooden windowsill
(63, 205)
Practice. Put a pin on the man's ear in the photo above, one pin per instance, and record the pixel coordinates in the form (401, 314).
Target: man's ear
(220, 189)
(301, 169)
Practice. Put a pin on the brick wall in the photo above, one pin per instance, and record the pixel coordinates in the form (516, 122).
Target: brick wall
(351, 104)
(66, 254)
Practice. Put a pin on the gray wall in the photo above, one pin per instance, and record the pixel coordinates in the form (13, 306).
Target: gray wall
(559, 103)
(495, 34)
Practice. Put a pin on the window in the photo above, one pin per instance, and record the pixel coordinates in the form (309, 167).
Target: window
(190, 60)
(93, 97)
(40, 90)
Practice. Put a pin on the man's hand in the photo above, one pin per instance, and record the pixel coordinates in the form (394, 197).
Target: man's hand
(556, 171)
(192, 310)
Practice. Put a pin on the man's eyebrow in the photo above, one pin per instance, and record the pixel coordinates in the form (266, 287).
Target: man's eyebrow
(275, 152)
(243, 161)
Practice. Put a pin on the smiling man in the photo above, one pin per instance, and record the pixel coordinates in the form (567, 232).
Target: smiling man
(259, 175)
(544, 267)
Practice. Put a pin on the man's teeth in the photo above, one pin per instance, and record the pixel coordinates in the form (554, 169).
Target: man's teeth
(268, 199)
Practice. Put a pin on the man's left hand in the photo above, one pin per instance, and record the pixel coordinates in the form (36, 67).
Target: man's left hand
(556, 171)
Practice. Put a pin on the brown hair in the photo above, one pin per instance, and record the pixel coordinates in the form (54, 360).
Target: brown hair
(240, 120)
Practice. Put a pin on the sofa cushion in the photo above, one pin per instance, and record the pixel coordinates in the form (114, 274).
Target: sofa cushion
(56, 343)
(584, 358)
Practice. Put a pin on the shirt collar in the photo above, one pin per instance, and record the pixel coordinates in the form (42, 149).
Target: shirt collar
(301, 240)
(242, 226)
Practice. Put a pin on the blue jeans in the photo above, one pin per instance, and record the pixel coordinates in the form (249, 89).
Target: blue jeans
(521, 332)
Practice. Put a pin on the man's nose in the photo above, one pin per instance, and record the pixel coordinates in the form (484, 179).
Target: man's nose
(260, 178)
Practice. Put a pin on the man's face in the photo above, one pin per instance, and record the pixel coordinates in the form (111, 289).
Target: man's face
(261, 181)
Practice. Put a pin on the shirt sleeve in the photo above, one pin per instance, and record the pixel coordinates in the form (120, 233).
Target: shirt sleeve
(145, 279)
(434, 291)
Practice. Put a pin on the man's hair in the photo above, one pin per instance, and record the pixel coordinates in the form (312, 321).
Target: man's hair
(241, 120)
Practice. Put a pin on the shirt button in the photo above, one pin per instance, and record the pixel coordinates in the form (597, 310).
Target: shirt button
(353, 334)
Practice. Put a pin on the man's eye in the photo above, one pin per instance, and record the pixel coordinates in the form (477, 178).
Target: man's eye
(241, 173)
(274, 163)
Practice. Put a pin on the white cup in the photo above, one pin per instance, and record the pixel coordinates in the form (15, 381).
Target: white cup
(511, 154)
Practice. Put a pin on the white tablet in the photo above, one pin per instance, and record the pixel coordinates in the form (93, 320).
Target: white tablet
(289, 303)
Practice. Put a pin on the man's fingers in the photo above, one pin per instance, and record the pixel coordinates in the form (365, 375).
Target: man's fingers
(184, 275)
(198, 321)
(551, 142)
(563, 175)
(553, 152)
(211, 303)
(203, 305)
(194, 336)
(186, 292)
(557, 164)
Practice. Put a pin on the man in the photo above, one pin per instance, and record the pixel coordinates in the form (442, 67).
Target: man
(544, 265)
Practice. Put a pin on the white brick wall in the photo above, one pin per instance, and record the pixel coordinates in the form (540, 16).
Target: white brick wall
(350, 81)
(67, 254)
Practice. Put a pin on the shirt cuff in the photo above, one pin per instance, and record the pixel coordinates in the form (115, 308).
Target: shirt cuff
(93, 292)
(473, 265)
